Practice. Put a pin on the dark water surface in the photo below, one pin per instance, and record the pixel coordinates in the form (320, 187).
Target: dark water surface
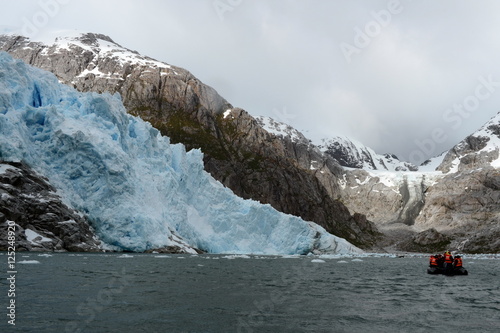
(218, 293)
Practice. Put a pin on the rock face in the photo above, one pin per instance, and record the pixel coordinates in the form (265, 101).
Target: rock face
(429, 240)
(475, 151)
(385, 198)
(457, 206)
(294, 177)
(42, 221)
(465, 206)
(466, 201)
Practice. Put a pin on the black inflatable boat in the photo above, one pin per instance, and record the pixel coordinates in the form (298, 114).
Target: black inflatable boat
(447, 271)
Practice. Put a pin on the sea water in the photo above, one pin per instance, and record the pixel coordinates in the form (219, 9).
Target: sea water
(70, 292)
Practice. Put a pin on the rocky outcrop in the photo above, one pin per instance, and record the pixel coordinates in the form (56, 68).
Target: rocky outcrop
(429, 240)
(293, 177)
(465, 206)
(42, 221)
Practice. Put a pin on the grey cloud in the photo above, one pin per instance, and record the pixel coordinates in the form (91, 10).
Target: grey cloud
(265, 56)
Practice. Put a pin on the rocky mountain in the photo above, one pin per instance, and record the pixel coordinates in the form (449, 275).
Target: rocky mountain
(353, 154)
(347, 152)
(238, 152)
(42, 221)
(478, 150)
(457, 205)
(465, 202)
(451, 200)
(282, 130)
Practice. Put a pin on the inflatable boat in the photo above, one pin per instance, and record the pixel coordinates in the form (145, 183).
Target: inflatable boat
(447, 271)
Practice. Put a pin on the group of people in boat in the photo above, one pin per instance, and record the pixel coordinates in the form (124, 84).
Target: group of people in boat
(446, 264)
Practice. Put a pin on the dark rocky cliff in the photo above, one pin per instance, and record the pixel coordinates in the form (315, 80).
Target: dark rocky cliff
(42, 221)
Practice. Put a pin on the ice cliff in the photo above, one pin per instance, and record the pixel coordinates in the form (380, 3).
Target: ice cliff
(139, 191)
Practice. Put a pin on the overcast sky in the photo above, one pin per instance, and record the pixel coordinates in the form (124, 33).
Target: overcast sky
(408, 77)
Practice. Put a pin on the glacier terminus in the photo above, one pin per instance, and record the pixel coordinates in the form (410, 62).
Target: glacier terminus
(140, 192)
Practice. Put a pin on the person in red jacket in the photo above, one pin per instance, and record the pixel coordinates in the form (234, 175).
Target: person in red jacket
(433, 262)
(457, 262)
(448, 261)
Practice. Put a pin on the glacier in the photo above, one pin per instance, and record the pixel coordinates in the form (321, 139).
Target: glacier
(139, 191)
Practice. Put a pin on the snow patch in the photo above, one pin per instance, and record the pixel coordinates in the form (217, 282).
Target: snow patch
(343, 182)
(35, 238)
(5, 167)
(67, 222)
(281, 129)
(433, 163)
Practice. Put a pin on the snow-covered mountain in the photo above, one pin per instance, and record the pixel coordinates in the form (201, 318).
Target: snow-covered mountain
(93, 48)
(449, 201)
(452, 201)
(139, 191)
(353, 154)
(347, 152)
(478, 150)
(282, 130)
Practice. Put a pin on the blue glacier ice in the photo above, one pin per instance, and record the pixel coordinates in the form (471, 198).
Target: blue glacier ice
(139, 191)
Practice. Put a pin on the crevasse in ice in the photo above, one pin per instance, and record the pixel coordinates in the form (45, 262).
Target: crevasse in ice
(139, 191)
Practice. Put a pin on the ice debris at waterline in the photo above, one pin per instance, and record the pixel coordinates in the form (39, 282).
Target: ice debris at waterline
(140, 191)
